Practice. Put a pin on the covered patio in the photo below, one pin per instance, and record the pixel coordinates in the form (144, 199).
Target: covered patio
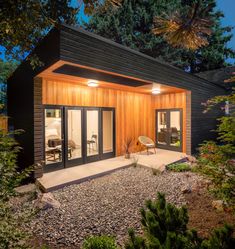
(77, 174)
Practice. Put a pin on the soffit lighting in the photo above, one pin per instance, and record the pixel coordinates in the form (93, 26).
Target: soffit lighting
(156, 89)
(92, 83)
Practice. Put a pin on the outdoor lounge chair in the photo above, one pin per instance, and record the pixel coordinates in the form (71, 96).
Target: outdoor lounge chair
(147, 143)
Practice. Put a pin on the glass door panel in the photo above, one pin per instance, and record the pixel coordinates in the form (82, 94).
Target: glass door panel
(53, 136)
(107, 121)
(175, 129)
(92, 132)
(169, 129)
(74, 131)
(162, 127)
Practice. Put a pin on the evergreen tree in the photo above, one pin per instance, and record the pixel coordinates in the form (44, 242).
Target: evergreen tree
(165, 227)
(132, 24)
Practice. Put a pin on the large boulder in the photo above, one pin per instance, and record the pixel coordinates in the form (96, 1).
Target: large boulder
(46, 201)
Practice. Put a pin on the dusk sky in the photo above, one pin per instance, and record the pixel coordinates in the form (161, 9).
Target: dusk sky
(227, 6)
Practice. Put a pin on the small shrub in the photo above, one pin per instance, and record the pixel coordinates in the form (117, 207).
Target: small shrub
(179, 167)
(165, 227)
(11, 234)
(100, 242)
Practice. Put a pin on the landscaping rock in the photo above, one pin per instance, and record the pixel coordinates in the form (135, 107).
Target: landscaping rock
(26, 189)
(191, 159)
(186, 190)
(46, 201)
(218, 204)
(107, 205)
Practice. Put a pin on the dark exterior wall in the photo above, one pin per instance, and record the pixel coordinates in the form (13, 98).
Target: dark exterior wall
(20, 111)
(24, 98)
(93, 51)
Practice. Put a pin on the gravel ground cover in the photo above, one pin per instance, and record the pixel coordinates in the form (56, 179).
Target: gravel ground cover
(107, 205)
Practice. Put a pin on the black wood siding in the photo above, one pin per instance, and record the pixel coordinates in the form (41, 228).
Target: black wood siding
(24, 98)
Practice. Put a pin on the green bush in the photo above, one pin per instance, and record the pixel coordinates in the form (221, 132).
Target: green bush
(100, 242)
(216, 159)
(179, 167)
(165, 227)
(11, 234)
(215, 163)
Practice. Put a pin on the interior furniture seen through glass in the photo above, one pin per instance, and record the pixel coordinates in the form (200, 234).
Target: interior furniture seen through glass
(169, 128)
(77, 135)
(53, 136)
(92, 132)
(74, 142)
(107, 119)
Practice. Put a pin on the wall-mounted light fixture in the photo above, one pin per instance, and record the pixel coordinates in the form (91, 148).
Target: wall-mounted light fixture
(92, 83)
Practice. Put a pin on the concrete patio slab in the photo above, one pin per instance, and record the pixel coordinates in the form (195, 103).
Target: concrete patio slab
(74, 175)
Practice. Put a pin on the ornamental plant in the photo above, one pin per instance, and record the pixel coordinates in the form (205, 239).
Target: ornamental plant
(165, 227)
(216, 159)
(11, 234)
(100, 242)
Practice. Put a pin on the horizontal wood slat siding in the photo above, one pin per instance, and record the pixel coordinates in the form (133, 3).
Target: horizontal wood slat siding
(135, 112)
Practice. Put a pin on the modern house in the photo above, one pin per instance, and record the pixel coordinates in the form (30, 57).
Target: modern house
(92, 94)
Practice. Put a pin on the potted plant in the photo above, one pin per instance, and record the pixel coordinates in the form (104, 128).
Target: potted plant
(38, 170)
(127, 145)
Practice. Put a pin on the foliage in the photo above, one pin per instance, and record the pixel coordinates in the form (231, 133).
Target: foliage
(100, 242)
(221, 238)
(189, 30)
(179, 167)
(165, 226)
(10, 177)
(215, 163)
(127, 144)
(6, 68)
(132, 25)
(11, 235)
(24, 22)
(216, 160)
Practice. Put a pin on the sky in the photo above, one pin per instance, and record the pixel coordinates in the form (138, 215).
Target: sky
(227, 6)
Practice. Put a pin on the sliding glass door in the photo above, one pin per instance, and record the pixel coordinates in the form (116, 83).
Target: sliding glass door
(169, 129)
(53, 138)
(77, 135)
(73, 136)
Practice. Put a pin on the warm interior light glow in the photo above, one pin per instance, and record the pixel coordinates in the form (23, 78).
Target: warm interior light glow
(155, 91)
(155, 88)
(92, 83)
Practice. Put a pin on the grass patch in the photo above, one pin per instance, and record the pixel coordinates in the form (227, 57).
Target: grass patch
(179, 167)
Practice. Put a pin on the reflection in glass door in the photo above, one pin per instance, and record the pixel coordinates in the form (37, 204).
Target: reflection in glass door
(108, 132)
(73, 146)
(92, 132)
(175, 129)
(169, 129)
(161, 127)
(53, 133)
(78, 135)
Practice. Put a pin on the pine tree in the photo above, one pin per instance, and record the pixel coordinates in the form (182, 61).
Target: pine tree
(165, 227)
(132, 24)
